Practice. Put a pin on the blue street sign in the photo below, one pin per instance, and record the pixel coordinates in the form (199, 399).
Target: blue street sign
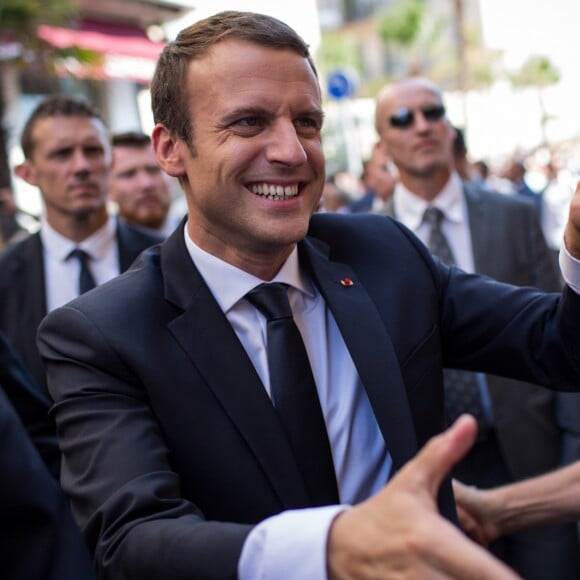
(341, 84)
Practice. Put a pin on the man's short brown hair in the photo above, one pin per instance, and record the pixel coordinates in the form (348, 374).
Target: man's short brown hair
(169, 93)
(56, 106)
(135, 139)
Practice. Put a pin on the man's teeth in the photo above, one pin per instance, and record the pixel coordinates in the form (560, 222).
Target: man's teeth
(275, 191)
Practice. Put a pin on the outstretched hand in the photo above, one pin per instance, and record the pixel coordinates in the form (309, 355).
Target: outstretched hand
(399, 532)
(476, 509)
(572, 233)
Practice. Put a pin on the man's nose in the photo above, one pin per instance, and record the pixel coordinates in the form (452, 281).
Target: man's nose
(421, 123)
(285, 146)
(81, 163)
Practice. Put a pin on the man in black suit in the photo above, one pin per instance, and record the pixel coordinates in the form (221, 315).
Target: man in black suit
(177, 463)
(525, 431)
(40, 540)
(68, 157)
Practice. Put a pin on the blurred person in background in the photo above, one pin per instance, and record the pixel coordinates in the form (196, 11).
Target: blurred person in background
(516, 172)
(460, 157)
(15, 224)
(138, 187)
(67, 155)
(521, 433)
(333, 199)
(378, 182)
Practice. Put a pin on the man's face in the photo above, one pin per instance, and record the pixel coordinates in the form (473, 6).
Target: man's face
(423, 149)
(257, 172)
(139, 187)
(70, 165)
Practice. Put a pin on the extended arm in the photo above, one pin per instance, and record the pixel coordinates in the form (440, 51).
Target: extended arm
(550, 498)
(126, 497)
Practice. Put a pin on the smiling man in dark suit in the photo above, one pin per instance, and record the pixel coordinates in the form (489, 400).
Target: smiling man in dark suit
(177, 463)
(68, 157)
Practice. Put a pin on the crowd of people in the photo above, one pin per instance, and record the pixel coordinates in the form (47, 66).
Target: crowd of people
(283, 382)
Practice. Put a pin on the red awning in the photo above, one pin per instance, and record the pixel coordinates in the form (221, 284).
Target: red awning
(100, 42)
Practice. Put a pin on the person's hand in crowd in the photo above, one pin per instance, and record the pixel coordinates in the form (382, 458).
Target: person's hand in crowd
(399, 532)
(476, 509)
(572, 234)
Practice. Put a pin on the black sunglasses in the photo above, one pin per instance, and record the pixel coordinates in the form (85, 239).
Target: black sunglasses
(404, 118)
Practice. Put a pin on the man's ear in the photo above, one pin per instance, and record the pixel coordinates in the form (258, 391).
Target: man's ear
(169, 151)
(26, 172)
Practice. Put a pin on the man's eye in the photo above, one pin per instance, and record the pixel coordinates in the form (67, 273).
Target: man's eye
(62, 153)
(307, 126)
(92, 151)
(248, 122)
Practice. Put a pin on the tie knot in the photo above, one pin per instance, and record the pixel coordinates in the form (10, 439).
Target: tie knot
(271, 300)
(433, 216)
(80, 255)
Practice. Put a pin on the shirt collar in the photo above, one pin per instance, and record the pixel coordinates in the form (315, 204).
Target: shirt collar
(230, 284)
(410, 207)
(96, 245)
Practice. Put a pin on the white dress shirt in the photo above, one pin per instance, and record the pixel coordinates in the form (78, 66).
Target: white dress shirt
(62, 275)
(409, 209)
(293, 544)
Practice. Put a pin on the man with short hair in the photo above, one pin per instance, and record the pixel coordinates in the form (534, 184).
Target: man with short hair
(138, 187)
(67, 155)
(187, 452)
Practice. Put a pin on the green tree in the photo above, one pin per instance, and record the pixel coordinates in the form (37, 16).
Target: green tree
(537, 72)
(399, 29)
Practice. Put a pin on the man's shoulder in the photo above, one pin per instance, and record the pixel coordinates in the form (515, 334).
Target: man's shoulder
(361, 228)
(497, 199)
(20, 253)
(365, 237)
(358, 223)
(128, 233)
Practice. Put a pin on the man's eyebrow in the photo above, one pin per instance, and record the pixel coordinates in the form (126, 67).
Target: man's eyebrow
(313, 112)
(251, 111)
(261, 111)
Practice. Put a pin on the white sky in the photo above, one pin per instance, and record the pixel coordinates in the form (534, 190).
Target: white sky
(527, 27)
(302, 15)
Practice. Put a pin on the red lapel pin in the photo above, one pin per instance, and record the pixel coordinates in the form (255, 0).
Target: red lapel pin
(346, 282)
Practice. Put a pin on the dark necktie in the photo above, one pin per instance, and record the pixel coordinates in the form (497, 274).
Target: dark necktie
(461, 389)
(294, 393)
(86, 280)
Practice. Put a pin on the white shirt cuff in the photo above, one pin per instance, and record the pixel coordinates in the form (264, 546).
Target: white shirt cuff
(570, 268)
(289, 546)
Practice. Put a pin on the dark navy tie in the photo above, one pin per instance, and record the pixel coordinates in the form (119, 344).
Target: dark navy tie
(294, 393)
(461, 388)
(86, 279)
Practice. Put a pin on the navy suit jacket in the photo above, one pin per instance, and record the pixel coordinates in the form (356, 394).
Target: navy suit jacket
(40, 540)
(537, 429)
(171, 447)
(23, 290)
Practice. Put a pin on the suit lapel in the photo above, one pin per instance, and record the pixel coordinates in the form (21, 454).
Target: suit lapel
(482, 242)
(205, 334)
(370, 346)
(30, 273)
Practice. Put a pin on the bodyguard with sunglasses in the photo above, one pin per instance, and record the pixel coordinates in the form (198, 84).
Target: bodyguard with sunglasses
(520, 434)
